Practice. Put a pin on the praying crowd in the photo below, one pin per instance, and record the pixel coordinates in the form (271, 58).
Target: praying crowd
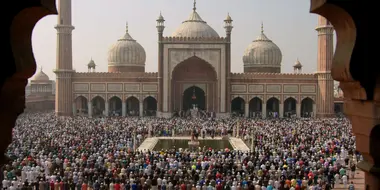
(79, 153)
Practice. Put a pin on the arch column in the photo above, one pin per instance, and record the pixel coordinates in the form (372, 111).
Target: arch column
(246, 109)
(89, 106)
(141, 109)
(123, 108)
(106, 106)
(314, 109)
(264, 110)
(298, 109)
(74, 108)
(281, 110)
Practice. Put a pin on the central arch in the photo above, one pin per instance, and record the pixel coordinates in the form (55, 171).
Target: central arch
(273, 105)
(194, 74)
(194, 97)
(115, 106)
(255, 107)
(290, 107)
(98, 106)
(237, 106)
(133, 106)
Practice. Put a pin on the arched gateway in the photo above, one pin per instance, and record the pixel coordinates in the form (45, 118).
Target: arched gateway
(194, 83)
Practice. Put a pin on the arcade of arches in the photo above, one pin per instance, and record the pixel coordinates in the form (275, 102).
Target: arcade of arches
(115, 106)
(273, 107)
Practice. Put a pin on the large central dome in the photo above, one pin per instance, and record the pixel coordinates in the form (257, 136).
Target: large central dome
(195, 27)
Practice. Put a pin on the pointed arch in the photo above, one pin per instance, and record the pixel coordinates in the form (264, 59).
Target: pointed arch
(290, 107)
(115, 106)
(255, 107)
(81, 104)
(98, 105)
(273, 107)
(238, 106)
(307, 107)
(150, 106)
(133, 106)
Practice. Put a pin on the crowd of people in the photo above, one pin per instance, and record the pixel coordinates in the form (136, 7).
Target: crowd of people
(80, 153)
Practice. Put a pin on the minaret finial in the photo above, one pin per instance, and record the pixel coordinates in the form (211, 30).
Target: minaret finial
(195, 5)
(126, 27)
(262, 27)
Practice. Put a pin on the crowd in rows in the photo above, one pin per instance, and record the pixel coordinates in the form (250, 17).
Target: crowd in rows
(79, 153)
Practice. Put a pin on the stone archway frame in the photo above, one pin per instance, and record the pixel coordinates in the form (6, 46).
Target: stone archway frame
(244, 97)
(312, 97)
(79, 95)
(189, 85)
(145, 96)
(137, 96)
(278, 97)
(214, 54)
(261, 97)
(109, 96)
(295, 97)
(92, 96)
(178, 56)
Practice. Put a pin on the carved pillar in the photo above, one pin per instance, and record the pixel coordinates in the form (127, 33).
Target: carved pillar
(264, 111)
(141, 109)
(123, 109)
(107, 109)
(281, 108)
(314, 110)
(298, 109)
(246, 111)
(89, 105)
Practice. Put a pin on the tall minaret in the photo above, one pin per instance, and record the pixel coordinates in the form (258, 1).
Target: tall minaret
(325, 90)
(64, 65)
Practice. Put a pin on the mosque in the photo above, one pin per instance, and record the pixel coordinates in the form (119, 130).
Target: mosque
(194, 73)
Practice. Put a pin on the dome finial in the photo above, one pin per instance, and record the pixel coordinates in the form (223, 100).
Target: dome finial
(262, 27)
(195, 5)
(126, 26)
(41, 68)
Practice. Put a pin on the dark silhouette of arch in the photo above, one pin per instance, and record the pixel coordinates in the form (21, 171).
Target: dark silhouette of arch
(237, 106)
(273, 106)
(98, 106)
(150, 106)
(81, 105)
(194, 96)
(133, 106)
(290, 107)
(115, 106)
(255, 107)
(306, 107)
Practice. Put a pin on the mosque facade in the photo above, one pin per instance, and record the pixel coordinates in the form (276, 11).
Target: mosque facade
(194, 72)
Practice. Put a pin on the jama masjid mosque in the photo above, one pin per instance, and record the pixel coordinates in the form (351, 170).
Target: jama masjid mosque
(194, 72)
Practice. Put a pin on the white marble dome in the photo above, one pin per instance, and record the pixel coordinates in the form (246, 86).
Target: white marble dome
(41, 76)
(126, 52)
(195, 27)
(262, 52)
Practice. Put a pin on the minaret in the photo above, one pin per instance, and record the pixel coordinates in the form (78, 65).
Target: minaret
(160, 29)
(325, 90)
(64, 65)
(228, 27)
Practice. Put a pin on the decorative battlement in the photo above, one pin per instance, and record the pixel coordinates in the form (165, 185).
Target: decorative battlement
(194, 39)
(116, 75)
(273, 75)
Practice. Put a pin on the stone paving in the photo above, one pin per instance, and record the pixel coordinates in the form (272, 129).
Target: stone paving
(358, 182)
(150, 143)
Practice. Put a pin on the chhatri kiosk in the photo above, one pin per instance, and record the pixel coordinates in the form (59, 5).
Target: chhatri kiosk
(194, 72)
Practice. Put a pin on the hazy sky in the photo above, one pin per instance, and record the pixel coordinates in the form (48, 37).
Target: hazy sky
(99, 23)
